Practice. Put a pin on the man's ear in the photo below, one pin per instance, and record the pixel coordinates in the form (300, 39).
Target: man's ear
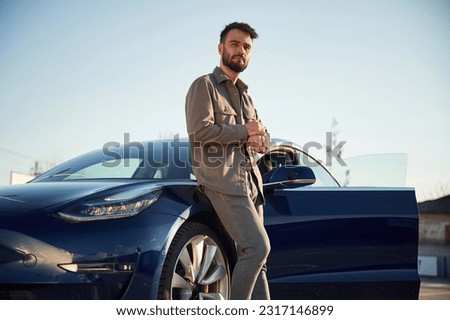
(220, 48)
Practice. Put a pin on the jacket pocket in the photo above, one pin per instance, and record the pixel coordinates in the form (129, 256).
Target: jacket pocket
(224, 114)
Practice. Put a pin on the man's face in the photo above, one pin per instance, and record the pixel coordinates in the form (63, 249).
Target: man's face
(236, 50)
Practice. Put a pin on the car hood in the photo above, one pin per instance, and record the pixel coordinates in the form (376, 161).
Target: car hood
(42, 195)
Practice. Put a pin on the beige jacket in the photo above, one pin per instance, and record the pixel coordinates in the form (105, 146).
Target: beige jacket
(216, 110)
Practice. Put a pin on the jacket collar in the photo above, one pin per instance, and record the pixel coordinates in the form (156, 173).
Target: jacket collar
(222, 77)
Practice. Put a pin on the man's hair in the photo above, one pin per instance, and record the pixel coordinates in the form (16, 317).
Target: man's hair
(238, 25)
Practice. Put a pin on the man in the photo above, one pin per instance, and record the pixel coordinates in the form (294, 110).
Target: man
(224, 132)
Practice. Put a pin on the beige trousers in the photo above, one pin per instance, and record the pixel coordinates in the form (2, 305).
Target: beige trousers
(242, 217)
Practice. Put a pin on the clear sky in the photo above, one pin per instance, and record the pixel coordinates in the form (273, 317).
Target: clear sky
(75, 75)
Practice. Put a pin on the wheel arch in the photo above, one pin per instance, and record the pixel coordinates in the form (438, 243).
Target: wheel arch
(207, 216)
(198, 209)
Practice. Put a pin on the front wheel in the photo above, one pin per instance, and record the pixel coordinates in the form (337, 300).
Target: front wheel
(196, 266)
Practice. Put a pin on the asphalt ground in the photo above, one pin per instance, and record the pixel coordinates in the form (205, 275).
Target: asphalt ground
(434, 289)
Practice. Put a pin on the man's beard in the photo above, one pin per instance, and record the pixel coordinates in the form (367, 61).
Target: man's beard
(228, 61)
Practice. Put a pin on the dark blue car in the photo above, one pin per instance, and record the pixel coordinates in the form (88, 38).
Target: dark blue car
(127, 222)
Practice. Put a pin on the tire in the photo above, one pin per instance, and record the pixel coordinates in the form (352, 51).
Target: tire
(196, 266)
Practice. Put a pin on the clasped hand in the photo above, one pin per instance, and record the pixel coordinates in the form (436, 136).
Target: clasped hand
(256, 141)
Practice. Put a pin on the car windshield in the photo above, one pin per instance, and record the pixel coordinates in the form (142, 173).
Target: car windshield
(149, 160)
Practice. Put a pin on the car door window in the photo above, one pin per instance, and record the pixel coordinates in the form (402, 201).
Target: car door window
(323, 176)
(291, 156)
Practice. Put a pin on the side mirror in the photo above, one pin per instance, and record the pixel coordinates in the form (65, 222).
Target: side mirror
(289, 177)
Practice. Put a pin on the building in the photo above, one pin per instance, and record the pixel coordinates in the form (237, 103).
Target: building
(434, 238)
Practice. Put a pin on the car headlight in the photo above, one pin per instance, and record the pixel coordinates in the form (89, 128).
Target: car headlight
(119, 205)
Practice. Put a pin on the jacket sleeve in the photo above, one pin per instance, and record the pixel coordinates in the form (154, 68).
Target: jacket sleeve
(200, 118)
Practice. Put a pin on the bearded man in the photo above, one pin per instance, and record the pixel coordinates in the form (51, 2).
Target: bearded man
(224, 133)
